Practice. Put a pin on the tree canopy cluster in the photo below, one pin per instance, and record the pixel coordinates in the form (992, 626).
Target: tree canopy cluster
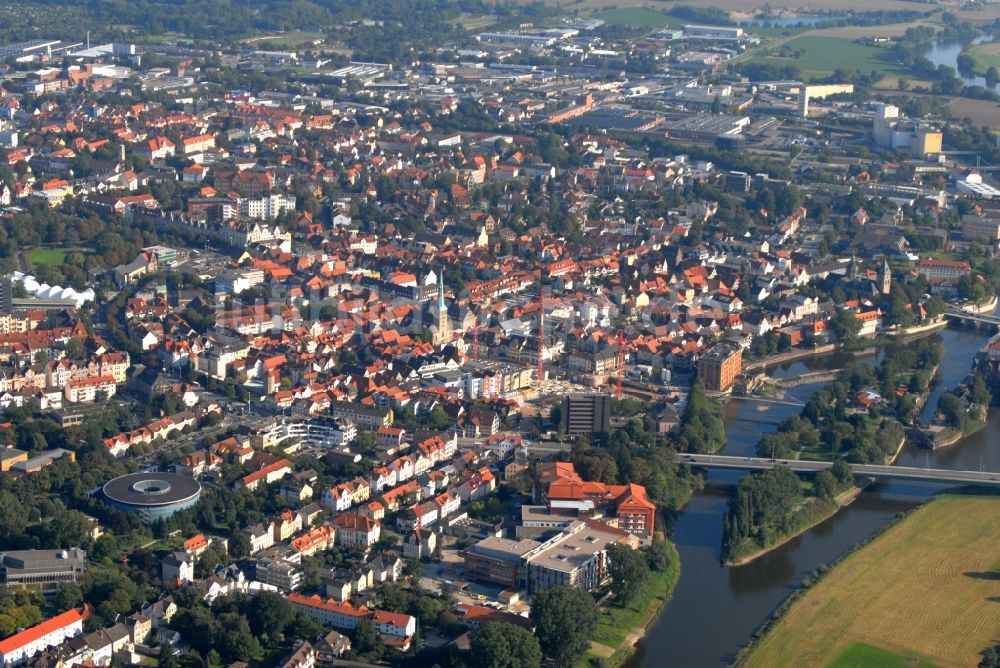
(830, 426)
(761, 508)
(565, 619)
(500, 645)
(239, 628)
(628, 570)
(637, 453)
(702, 426)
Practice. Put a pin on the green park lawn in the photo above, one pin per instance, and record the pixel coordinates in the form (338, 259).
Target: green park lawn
(292, 39)
(617, 624)
(53, 257)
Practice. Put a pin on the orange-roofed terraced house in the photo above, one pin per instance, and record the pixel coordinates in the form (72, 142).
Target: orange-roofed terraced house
(560, 486)
(396, 629)
(20, 647)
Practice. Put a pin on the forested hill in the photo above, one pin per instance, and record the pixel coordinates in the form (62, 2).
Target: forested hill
(424, 22)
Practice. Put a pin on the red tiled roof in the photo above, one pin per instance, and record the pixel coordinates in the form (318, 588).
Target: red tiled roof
(394, 618)
(28, 636)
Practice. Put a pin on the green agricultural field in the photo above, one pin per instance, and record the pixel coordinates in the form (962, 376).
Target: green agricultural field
(860, 655)
(290, 39)
(475, 21)
(823, 55)
(924, 593)
(986, 55)
(776, 32)
(46, 256)
(638, 16)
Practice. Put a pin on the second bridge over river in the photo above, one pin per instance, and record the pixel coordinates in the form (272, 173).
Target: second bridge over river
(943, 476)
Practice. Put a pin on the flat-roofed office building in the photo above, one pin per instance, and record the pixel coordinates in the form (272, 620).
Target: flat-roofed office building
(586, 413)
(498, 560)
(43, 571)
(576, 557)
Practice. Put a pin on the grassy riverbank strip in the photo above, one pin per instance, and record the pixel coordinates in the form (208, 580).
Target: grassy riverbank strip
(619, 629)
(808, 583)
(923, 588)
(811, 512)
(949, 436)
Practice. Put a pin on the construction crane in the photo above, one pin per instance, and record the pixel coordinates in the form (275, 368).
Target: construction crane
(541, 336)
(475, 339)
(621, 364)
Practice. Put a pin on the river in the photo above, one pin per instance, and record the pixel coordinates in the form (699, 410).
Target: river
(947, 54)
(716, 609)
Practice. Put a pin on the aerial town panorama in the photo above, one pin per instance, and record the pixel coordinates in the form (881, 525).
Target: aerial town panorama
(499, 333)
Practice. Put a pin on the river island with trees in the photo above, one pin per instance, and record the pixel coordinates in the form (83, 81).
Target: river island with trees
(860, 417)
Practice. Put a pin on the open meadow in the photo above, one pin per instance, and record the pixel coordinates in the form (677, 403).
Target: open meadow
(643, 17)
(860, 655)
(288, 40)
(858, 32)
(743, 6)
(823, 55)
(927, 592)
(986, 55)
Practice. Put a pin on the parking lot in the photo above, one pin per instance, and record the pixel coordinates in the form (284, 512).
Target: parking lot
(451, 571)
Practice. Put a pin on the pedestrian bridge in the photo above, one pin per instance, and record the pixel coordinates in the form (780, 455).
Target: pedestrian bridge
(943, 476)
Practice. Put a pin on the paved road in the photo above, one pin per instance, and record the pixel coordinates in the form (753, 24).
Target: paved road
(990, 478)
(971, 316)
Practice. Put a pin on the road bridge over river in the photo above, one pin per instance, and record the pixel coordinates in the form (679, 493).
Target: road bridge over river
(972, 317)
(944, 476)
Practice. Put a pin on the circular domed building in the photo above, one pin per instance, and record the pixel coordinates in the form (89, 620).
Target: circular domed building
(153, 496)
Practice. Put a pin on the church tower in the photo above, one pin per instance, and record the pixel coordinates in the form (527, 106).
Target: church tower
(443, 324)
(885, 277)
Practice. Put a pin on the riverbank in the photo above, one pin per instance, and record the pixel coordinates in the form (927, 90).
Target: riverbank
(987, 306)
(915, 331)
(921, 590)
(716, 610)
(899, 448)
(949, 437)
(822, 510)
(620, 629)
(809, 513)
(984, 55)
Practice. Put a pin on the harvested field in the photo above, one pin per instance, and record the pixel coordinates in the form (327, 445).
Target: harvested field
(982, 112)
(857, 32)
(805, 8)
(926, 591)
(891, 83)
